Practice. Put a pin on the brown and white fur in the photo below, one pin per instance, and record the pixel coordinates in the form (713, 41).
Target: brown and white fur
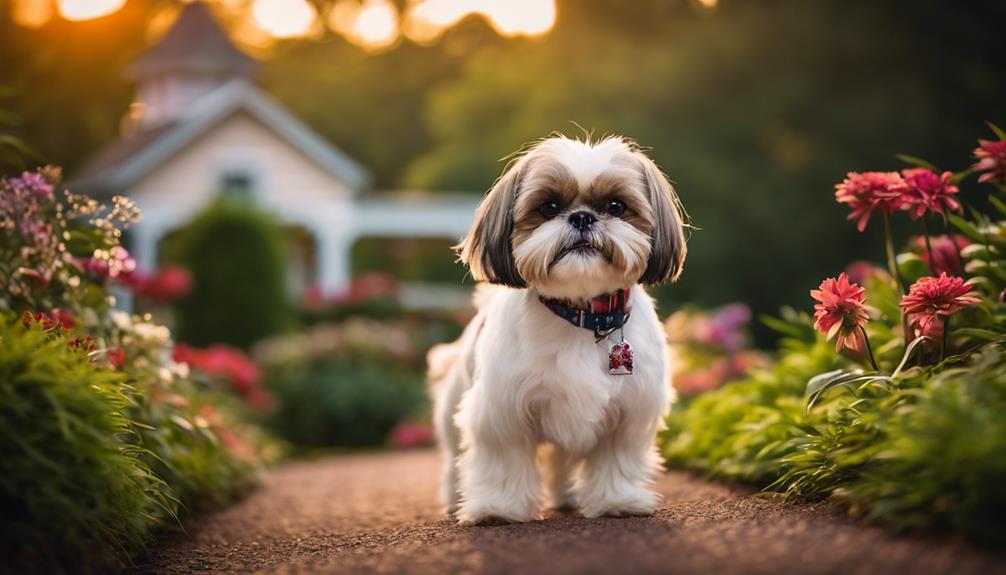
(522, 384)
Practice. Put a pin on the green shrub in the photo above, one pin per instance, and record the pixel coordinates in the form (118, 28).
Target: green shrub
(929, 451)
(348, 401)
(183, 450)
(75, 493)
(741, 430)
(236, 255)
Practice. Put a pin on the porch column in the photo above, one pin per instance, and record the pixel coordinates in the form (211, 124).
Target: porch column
(334, 249)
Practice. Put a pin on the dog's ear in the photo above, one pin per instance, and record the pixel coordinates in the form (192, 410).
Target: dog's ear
(487, 250)
(667, 254)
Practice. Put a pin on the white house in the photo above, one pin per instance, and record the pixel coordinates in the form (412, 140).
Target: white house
(200, 127)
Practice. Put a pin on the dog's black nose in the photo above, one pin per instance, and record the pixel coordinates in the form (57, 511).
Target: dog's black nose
(582, 220)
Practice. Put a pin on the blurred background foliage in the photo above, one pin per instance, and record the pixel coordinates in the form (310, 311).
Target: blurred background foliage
(754, 108)
(235, 254)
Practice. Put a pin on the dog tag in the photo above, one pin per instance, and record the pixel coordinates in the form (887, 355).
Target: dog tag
(620, 358)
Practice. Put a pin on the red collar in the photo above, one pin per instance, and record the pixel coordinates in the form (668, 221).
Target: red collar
(605, 314)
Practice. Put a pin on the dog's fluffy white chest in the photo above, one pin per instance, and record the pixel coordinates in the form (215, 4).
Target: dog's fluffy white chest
(576, 400)
(554, 375)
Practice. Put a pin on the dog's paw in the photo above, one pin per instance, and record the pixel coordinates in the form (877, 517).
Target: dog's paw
(637, 503)
(485, 521)
(492, 515)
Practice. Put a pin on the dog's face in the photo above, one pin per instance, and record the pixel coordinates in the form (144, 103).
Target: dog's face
(575, 220)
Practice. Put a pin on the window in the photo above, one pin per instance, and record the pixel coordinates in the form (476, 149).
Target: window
(237, 184)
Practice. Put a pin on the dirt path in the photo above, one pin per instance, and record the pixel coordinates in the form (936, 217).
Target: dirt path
(378, 513)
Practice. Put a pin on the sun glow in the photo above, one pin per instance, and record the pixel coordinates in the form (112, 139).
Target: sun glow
(88, 9)
(372, 24)
(427, 19)
(31, 13)
(284, 18)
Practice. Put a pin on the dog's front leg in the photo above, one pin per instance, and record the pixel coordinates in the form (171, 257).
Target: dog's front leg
(499, 481)
(617, 474)
(499, 471)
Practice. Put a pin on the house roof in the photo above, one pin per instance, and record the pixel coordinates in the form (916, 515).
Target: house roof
(119, 166)
(196, 44)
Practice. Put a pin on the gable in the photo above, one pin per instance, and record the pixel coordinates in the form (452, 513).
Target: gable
(119, 167)
(238, 144)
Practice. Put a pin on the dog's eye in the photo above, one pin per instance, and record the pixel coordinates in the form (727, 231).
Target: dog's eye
(549, 209)
(616, 207)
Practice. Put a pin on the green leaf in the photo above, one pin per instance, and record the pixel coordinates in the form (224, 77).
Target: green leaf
(823, 380)
(997, 131)
(781, 326)
(958, 177)
(998, 204)
(8, 118)
(966, 227)
(978, 333)
(913, 161)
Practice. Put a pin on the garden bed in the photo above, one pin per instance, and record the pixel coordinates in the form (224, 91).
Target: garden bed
(903, 421)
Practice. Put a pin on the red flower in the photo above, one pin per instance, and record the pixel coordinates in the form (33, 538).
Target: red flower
(408, 435)
(991, 160)
(313, 297)
(946, 252)
(171, 282)
(840, 312)
(230, 363)
(63, 317)
(928, 191)
(84, 344)
(53, 319)
(869, 191)
(116, 357)
(367, 287)
(932, 297)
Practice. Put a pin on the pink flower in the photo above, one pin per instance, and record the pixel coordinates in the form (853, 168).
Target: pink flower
(946, 252)
(726, 327)
(409, 435)
(840, 312)
(869, 191)
(991, 160)
(119, 265)
(927, 191)
(933, 298)
(35, 183)
(863, 271)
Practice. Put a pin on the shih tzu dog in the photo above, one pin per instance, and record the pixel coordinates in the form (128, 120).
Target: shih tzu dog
(553, 371)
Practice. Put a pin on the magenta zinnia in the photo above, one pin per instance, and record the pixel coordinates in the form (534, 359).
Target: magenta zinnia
(946, 252)
(840, 312)
(933, 298)
(927, 191)
(870, 191)
(991, 160)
